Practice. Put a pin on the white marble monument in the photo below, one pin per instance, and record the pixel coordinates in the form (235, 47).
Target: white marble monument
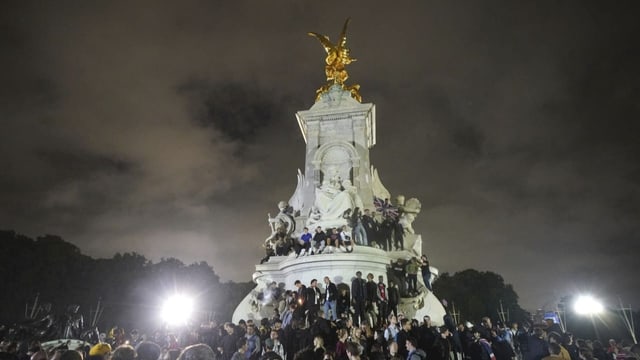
(338, 177)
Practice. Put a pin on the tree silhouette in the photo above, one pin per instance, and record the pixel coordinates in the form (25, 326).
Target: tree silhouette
(479, 293)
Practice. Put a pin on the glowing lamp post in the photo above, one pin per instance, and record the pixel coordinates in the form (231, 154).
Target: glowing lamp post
(177, 310)
(588, 305)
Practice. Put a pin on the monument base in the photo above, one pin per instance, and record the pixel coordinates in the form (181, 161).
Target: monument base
(340, 267)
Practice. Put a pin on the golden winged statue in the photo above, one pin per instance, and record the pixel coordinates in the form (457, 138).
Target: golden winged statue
(337, 59)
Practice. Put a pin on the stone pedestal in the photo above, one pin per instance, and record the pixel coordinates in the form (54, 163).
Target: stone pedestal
(341, 269)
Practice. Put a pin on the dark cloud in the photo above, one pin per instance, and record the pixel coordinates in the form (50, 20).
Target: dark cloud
(169, 128)
(237, 111)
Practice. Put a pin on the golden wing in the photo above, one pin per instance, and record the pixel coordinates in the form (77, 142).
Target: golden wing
(343, 35)
(324, 40)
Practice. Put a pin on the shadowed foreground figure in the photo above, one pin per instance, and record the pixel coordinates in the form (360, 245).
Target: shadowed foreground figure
(197, 352)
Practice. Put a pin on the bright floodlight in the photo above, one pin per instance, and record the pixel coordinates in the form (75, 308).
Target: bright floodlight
(177, 310)
(587, 305)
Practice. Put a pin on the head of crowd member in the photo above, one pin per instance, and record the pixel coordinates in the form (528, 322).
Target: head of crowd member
(242, 345)
(314, 283)
(567, 338)
(411, 344)
(135, 335)
(71, 355)
(444, 331)
(554, 337)
(358, 274)
(197, 352)
(274, 335)
(229, 328)
(426, 321)
(124, 352)
(405, 324)
(318, 342)
(101, 351)
(148, 350)
(39, 355)
(486, 322)
(554, 348)
(277, 325)
(343, 334)
(169, 354)
(393, 348)
(269, 344)
(251, 330)
(353, 350)
(370, 276)
(538, 332)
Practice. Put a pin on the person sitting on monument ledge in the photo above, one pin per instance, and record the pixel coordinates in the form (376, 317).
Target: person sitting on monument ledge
(319, 241)
(333, 240)
(346, 244)
(303, 244)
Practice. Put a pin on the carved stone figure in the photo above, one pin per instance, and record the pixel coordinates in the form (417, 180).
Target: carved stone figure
(410, 210)
(283, 223)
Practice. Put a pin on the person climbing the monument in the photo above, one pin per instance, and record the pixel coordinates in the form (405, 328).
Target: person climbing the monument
(397, 274)
(412, 276)
(425, 269)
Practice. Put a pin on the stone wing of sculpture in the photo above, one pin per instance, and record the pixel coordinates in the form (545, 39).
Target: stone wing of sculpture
(379, 191)
(297, 199)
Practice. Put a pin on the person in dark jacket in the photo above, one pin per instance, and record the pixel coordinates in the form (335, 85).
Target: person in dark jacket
(330, 299)
(358, 297)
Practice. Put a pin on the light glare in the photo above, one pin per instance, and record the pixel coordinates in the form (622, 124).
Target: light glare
(177, 310)
(587, 305)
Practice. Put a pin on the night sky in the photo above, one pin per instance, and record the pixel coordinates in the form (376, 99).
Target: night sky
(168, 129)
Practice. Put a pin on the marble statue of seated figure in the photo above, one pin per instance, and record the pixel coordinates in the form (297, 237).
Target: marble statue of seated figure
(331, 202)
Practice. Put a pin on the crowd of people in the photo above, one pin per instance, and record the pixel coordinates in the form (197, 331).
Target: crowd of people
(331, 322)
(320, 338)
(363, 228)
